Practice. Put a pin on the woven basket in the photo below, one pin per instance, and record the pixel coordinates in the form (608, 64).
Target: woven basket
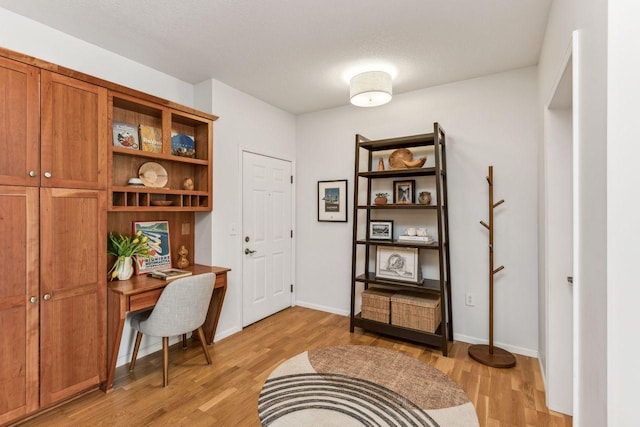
(416, 311)
(376, 304)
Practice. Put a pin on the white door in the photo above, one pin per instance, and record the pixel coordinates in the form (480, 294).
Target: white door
(267, 235)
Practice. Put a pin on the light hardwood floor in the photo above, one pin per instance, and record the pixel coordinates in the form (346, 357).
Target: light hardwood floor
(226, 393)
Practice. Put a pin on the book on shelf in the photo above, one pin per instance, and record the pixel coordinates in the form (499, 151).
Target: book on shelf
(419, 239)
(125, 136)
(183, 145)
(150, 139)
(170, 274)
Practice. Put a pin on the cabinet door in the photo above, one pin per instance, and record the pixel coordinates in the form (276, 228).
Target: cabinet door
(18, 315)
(73, 291)
(74, 133)
(19, 124)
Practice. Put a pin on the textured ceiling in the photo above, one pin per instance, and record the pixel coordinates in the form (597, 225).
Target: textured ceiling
(298, 54)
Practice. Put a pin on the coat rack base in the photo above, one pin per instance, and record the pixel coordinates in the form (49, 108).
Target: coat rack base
(499, 359)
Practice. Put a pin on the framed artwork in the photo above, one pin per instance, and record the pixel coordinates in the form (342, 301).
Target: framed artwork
(157, 233)
(397, 263)
(404, 192)
(380, 229)
(332, 201)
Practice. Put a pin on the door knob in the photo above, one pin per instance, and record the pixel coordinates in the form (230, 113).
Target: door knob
(47, 174)
(46, 297)
(33, 300)
(249, 251)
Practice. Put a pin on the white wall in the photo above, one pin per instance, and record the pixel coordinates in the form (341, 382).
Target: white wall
(623, 205)
(245, 123)
(26, 36)
(491, 120)
(590, 17)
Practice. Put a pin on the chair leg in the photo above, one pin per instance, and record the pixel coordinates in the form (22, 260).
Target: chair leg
(136, 347)
(165, 361)
(184, 341)
(203, 343)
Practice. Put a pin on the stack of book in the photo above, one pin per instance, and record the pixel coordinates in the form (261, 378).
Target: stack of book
(418, 239)
(170, 274)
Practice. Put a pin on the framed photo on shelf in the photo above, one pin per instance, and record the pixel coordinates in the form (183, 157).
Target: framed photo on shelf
(332, 201)
(380, 229)
(157, 233)
(404, 192)
(397, 263)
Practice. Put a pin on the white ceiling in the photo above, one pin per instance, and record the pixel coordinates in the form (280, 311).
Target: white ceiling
(299, 54)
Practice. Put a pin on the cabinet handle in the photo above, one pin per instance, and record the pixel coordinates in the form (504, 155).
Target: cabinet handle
(47, 174)
(46, 297)
(32, 173)
(33, 300)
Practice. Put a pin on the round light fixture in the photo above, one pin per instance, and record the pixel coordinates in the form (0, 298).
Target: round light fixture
(370, 89)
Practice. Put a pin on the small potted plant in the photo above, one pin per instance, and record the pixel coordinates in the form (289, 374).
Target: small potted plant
(124, 248)
(381, 198)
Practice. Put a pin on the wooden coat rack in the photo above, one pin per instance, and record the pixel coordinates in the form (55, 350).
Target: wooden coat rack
(489, 354)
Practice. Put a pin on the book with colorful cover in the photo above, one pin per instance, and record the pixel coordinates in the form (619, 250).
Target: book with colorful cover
(125, 136)
(157, 233)
(183, 145)
(151, 139)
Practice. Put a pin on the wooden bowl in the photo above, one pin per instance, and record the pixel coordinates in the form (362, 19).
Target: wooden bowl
(161, 203)
(398, 157)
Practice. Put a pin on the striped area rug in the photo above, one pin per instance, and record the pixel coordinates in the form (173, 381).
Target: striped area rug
(361, 386)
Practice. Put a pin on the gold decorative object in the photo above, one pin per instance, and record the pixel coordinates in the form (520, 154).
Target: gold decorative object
(415, 163)
(187, 184)
(183, 262)
(380, 165)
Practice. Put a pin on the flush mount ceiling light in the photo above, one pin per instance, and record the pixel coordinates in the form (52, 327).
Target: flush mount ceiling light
(370, 89)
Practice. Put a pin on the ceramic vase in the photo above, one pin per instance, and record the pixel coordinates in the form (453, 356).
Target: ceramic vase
(424, 198)
(380, 201)
(124, 268)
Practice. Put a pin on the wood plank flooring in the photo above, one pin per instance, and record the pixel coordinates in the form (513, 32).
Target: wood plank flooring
(226, 393)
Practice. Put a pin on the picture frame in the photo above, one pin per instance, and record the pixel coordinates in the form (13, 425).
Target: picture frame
(398, 263)
(332, 201)
(380, 229)
(157, 233)
(404, 192)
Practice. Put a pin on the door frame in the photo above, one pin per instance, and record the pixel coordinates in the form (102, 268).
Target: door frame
(261, 152)
(570, 59)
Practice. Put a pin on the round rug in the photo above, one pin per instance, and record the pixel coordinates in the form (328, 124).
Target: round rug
(361, 386)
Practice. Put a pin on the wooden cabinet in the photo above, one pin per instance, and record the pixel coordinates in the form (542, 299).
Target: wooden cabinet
(433, 216)
(53, 132)
(74, 133)
(125, 162)
(19, 123)
(19, 302)
(72, 291)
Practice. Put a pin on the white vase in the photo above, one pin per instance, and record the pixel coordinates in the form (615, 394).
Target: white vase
(124, 268)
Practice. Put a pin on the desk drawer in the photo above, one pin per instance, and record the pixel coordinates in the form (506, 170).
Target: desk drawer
(144, 300)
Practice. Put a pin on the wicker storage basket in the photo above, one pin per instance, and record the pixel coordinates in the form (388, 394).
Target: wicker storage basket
(376, 304)
(416, 310)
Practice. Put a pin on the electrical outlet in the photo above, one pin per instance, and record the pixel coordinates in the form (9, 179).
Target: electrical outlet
(468, 299)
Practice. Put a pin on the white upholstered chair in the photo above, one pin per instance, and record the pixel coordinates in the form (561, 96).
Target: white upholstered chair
(182, 308)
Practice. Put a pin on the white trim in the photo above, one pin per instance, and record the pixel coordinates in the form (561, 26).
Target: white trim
(326, 309)
(529, 352)
(577, 137)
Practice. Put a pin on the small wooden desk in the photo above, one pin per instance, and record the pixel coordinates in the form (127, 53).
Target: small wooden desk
(141, 292)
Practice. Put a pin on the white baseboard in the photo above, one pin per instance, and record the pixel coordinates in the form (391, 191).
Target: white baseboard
(512, 348)
(332, 310)
(224, 334)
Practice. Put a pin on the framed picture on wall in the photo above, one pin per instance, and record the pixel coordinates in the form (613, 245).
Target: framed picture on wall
(380, 229)
(157, 233)
(332, 201)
